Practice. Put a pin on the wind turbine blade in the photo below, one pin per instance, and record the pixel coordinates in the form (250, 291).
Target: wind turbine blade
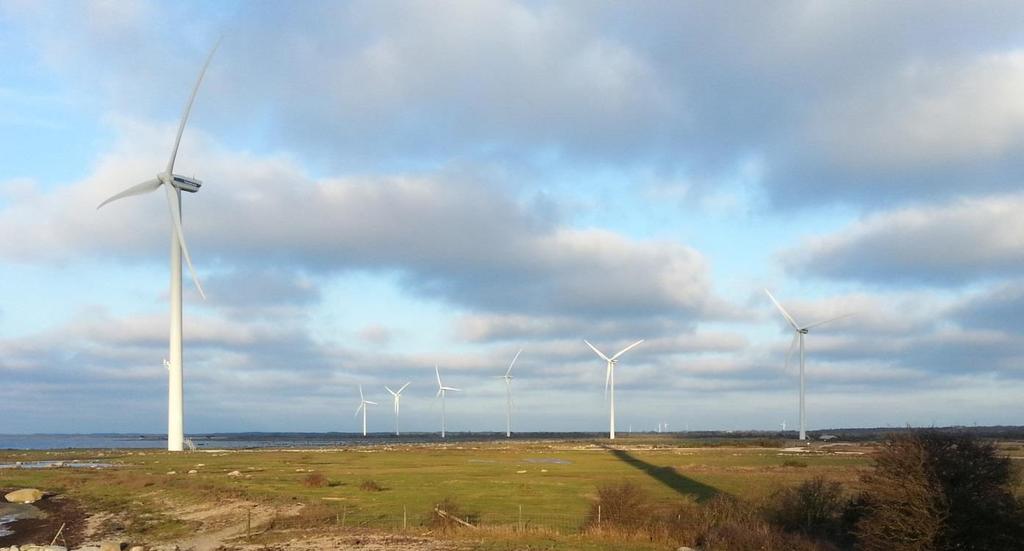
(358, 409)
(439, 392)
(172, 204)
(453, 389)
(361, 394)
(603, 357)
(371, 403)
(513, 362)
(137, 189)
(188, 109)
(828, 320)
(404, 386)
(785, 314)
(438, 373)
(627, 349)
(607, 379)
(393, 393)
(792, 345)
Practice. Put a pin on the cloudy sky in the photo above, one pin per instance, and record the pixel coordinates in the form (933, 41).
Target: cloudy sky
(393, 185)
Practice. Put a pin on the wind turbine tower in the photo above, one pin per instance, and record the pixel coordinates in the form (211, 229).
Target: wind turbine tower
(798, 335)
(442, 392)
(173, 185)
(609, 380)
(508, 395)
(363, 402)
(398, 399)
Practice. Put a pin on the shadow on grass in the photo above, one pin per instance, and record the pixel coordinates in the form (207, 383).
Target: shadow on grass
(668, 476)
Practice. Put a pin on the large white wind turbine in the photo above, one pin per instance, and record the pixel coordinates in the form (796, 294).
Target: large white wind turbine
(363, 402)
(173, 185)
(508, 395)
(442, 391)
(398, 400)
(798, 335)
(609, 380)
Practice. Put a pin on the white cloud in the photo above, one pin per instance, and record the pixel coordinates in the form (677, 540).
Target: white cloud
(452, 236)
(957, 242)
(928, 114)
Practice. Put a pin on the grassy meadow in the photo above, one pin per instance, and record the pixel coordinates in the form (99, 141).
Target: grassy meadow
(522, 494)
(544, 487)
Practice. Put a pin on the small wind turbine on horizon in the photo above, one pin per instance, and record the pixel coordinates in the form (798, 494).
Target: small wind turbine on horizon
(798, 335)
(173, 185)
(783, 425)
(508, 395)
(442, 392)
(363, 402)
(609, 380)
(398, 398)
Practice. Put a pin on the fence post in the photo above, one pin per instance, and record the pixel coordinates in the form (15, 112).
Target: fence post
(520, 518)
(405, 518)
(599, 516)
(248, 523)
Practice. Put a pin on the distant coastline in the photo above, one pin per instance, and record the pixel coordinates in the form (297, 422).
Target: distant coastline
(263, 440)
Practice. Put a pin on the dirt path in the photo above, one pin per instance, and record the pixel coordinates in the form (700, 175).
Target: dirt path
(224, 522)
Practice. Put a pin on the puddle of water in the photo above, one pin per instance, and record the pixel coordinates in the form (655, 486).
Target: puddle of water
(4, 521)
(55, 465)
(551, 460)
(10, 512)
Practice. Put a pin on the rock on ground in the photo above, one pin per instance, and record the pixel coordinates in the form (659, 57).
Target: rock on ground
(25, 495)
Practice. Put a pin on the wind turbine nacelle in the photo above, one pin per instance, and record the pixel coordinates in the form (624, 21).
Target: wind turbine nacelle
(185, 183)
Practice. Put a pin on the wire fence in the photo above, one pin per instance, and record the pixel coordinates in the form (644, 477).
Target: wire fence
(516, 519)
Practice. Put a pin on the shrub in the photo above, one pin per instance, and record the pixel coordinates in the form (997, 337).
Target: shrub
(315, 480)
(794, 463)
(728, 524)
(933, 490)
(722, 523)
(370, 486)
(815, 508)
(623, 505)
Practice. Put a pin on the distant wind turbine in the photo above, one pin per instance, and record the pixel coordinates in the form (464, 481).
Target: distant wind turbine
(442, 391)
(783, 425)
(798, 335)
(398, 399)
(508, 395)
(173, 185)
(609, 380)
(363, 402)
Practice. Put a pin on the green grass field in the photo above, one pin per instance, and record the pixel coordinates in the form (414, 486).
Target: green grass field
(546, 485)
